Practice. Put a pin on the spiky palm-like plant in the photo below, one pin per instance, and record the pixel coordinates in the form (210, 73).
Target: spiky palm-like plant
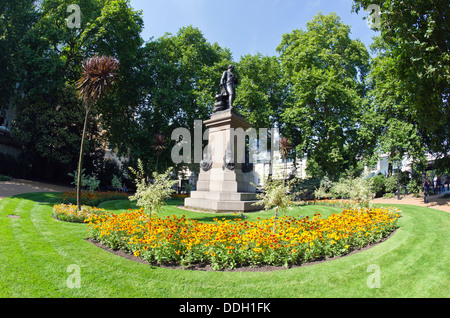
(98, 75)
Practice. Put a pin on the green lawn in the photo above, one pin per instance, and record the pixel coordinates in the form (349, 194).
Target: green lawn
(36, 252)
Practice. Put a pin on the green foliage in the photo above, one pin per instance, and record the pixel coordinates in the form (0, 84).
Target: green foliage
(16, 17)
(116, 182)
(410, 75)
(151, 195)
(260, 93)
(46, 55)
(92, 183)
(48, 127)
(391, 184)
(74, 175)
(178, 79)
(304, 188)
(323, 191)
(378, 185)
(357, 189)
(325, 71)
(277, 193)
(414, 186)
(187, 188)
(4, 178)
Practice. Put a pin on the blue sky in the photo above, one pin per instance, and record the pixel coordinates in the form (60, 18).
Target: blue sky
(245, 26)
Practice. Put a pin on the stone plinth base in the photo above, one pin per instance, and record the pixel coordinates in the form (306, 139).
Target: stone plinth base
(222, 201)
(223, 185)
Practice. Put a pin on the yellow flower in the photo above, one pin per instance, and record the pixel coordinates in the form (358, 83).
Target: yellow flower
(136, 253)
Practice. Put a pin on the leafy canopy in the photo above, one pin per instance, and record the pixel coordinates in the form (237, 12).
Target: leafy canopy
(151, 195)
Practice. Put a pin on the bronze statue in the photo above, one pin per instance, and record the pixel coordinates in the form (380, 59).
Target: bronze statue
(225, 99)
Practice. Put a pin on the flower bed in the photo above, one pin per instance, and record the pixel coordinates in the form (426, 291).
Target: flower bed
(224, 243)
(180, 196)
(91, 199)
(70, 213)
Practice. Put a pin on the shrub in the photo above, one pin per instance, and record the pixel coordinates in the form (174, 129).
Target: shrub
(357, 189)
(413, 186)
(277, 194)
(323, 192)
(74, 175)
(391, 184)
(151, 196)
(304, 188)
(92, 183)
(378, 185)
(116, 182)
(4, 178)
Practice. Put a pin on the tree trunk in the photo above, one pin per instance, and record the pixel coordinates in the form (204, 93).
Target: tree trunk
(275, 220)
(80, 161)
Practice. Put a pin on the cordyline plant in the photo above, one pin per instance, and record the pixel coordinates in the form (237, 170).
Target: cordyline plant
(99, 73)
(151, 195)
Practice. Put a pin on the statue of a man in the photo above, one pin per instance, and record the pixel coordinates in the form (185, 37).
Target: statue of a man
(229, 81)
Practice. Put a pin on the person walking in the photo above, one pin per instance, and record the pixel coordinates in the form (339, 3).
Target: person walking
(426, 191)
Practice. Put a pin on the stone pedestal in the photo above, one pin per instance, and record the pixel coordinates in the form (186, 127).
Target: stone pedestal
(224, 182)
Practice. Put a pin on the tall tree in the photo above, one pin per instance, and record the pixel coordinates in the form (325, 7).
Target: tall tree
(16, 18)
(324, 73)
(260, 94)
(179, 77)
(413, 66)
(50, 64)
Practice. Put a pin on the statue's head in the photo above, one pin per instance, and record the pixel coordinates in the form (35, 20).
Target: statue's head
(231, 67)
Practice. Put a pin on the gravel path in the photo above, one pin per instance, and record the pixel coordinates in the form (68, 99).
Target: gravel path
(19, 186)
(435, 202)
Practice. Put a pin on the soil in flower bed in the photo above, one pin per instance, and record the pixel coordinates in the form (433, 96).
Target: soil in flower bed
(208, 267)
